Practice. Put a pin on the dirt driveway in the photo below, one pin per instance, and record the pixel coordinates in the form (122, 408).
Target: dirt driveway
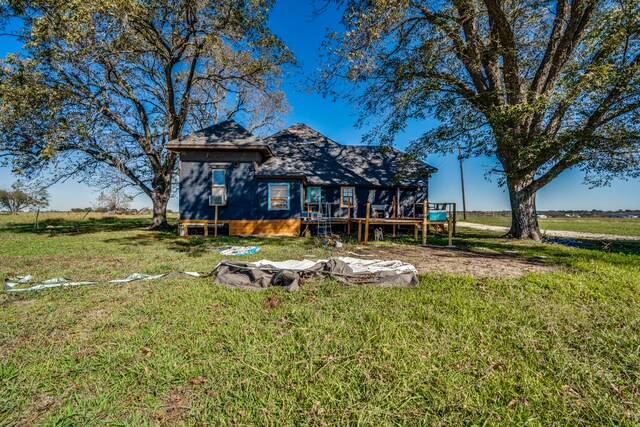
(437, 259)
(555, 233)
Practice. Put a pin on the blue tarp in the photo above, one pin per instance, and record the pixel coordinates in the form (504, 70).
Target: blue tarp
(238, 250)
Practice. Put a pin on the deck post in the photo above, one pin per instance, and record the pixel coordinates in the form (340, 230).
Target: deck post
(394, 213)
(215, 224)
(425, 216)
(415, 232)
(359, 231)
(450, 232)
(455, 210)
(349, 220)
(366, 223)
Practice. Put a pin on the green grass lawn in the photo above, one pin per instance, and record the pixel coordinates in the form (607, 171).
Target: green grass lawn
(545, 349)
(620, 226)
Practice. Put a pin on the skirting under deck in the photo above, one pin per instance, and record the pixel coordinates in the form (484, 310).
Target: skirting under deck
(242, 227)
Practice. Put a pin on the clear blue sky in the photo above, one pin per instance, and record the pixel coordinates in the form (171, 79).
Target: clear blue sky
(292, 21)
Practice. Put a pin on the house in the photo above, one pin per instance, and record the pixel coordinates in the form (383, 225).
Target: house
(254, 186)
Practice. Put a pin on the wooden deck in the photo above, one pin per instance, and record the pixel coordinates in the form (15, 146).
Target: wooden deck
(417, 221)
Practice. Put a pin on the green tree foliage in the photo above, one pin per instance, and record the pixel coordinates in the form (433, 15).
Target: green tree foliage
(19, 197)
(103, 84)
(542, 85)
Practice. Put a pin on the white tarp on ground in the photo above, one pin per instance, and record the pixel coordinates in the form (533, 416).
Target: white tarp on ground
(356, 264)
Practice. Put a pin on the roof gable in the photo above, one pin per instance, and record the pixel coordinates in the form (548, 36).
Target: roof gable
(227, 135)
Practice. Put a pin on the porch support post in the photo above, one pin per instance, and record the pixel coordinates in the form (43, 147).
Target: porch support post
(394, 213)
(425, 215)
(455, 218)
(366, 223)
(215, 223)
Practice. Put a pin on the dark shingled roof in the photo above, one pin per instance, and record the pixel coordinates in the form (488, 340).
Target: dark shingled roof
(302, 151)
(227, 135)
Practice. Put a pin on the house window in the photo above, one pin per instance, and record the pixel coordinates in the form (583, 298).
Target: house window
(279, 196)
(347, 196)
(313, 194)
(219, 182)
(219, 185)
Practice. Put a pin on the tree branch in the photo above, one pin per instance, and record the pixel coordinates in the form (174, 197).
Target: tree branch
(512, 78)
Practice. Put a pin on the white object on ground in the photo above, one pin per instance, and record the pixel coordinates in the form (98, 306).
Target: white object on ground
(51, 283)
(57, 282)
(357, 265)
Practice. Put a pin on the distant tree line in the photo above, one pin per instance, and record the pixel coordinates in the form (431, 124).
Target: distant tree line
(19, 197)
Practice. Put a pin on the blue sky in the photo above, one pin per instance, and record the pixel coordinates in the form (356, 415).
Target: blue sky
(292, 21)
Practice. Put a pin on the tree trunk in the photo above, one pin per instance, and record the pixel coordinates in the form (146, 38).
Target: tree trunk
(160, 201)
(524, 220)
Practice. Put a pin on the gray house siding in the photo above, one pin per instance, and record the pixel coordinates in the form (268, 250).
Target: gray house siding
(247, 197)
(195, 185)
(262, 198)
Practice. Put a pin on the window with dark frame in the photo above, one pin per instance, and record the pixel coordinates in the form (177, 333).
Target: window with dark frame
(279, 196)
(219, 182)
(347, 196)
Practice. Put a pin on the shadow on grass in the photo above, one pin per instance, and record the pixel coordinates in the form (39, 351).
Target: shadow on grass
(197, 246)
(61, 226)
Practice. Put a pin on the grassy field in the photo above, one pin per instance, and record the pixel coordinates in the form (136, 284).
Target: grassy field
(620, 226)
(544, 349)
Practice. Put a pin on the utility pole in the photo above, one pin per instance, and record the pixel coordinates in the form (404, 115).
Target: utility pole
(464, 200)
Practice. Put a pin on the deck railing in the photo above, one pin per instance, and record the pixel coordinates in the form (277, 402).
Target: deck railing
(408, 210)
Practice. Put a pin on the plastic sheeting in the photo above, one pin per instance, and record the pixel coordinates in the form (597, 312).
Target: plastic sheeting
(291, 274)
(14, 284)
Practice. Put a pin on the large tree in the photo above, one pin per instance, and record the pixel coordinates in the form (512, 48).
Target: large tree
(542, 85)
(101, 85)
